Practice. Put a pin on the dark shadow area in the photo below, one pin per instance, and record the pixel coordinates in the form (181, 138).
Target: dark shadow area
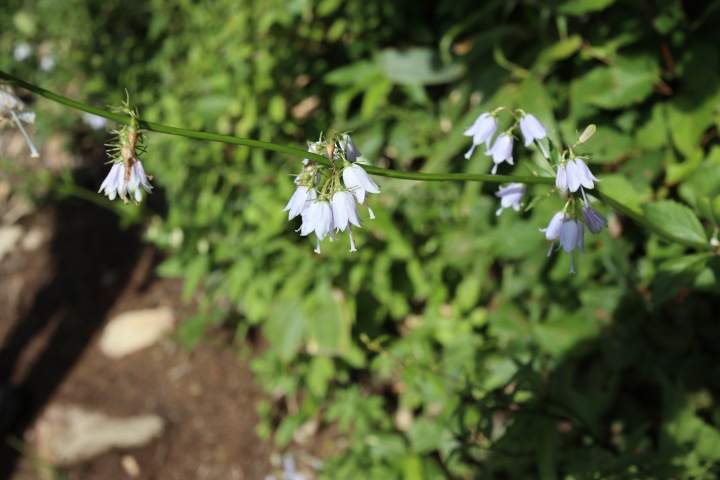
(93, 258)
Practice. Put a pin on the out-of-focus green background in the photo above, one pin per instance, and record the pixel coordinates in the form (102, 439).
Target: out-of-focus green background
(449, 345)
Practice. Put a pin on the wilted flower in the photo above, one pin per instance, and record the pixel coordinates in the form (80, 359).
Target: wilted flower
(12, 109)
(300, 201)
(358, 181)
(510, 196)
(318, 218)
(501, 151)
(348, 146)
(594, 220)
(126, 181)
(532, 129)
(573, 174)
(482, 131)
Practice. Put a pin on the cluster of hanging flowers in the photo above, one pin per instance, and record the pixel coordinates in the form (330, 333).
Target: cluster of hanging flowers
(14, 111)
(127, 178)
(327, 198)
(573, 177)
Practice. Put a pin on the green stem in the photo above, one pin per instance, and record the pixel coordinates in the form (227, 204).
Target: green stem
(383, 172)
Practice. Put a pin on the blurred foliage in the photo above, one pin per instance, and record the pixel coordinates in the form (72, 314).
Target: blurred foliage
(449, 345)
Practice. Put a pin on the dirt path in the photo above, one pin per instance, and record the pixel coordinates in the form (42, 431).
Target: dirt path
(56, 294)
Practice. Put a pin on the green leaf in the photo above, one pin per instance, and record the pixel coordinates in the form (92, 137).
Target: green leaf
(675, 274)
(418, 65)
(580, 7)
(676, 220)
(629, 80)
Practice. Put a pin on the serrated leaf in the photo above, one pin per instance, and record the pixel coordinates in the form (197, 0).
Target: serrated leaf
(676, 220)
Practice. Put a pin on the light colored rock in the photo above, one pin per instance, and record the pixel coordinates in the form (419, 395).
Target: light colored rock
(67, 434)
(9, 237)
(132, 331)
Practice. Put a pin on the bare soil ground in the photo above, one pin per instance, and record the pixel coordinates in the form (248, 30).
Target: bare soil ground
(56, 294)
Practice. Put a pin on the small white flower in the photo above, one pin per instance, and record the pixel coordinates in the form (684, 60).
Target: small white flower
(13, 110)
(300, 201)
(482, 131)
(47, 63)
(571, 233)
(319, 219)
(510, 196)
(344, 210)
(348, 146)
(22, 51)
(120, 182)
(552, 231)
(358, 181)
(501, 151)
(532, 129)
(573, 174)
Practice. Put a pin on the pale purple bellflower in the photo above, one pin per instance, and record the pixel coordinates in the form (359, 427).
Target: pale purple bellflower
(348, 146)
(533, 130)
(574, 174)
(501, 151)
(121, 182)
(571, 233)
(594, 220)
(300, 201)
(482, 131)
(510, 196)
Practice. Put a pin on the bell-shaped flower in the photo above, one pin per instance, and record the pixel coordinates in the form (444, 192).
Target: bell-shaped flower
(123, 182)
(348, 146)
(510, 196)
(344, 210)
(594, 220)
(552, 231)
(501, 151)
(300, 201)
(319, 219)
(532, 129)
(482, 131)
(358, 181)
(14, 110)
(571, 233)
(574, 174)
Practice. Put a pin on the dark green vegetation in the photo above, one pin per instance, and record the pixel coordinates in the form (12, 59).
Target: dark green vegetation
(449, 345)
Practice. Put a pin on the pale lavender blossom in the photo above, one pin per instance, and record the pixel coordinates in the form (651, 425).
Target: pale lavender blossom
(510, 196)
(573, 174)
(571, 233)
(532, 129)
(14, 110)
(319, 219)
(300, 201)
(482, 131)
(594, 220)
(358, 181)
(501, 151)
(348, 146)
(117, 182)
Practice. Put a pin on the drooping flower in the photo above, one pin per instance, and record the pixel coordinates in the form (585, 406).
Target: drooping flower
(14, 110)
(345, 213)
(571, 233)
(482, 131)
(594, 220)
(318, 218)
(510, 196)
(532, 129)
(300, 201)
(501, 151)
(348, 146)
(573, 174)
(358, 181)
(124, 181)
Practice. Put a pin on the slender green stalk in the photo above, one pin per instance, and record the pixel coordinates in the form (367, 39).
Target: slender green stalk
(383, 172)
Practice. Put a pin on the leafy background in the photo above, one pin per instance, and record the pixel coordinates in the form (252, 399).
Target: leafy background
(449, 345)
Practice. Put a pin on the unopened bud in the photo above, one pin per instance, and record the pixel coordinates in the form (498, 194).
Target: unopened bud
(589, 132)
